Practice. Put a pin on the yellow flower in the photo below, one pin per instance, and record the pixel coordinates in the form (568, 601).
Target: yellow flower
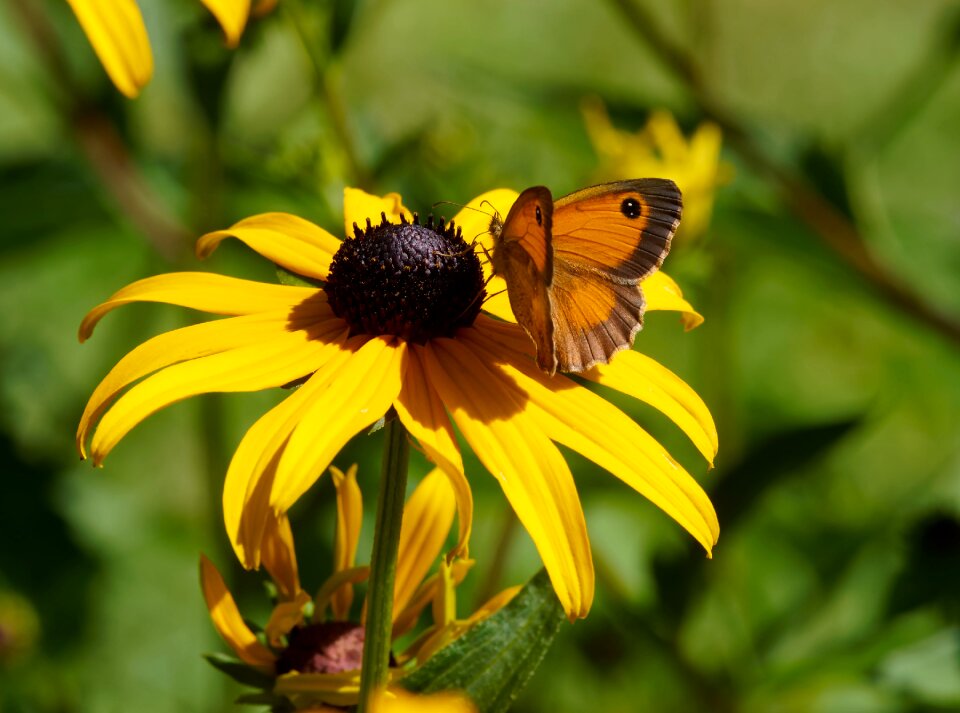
(660, 149)
(311, 651)
(116, 31)
(397, 325)
(398, 702)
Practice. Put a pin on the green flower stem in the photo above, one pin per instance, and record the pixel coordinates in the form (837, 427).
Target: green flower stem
(383, 562)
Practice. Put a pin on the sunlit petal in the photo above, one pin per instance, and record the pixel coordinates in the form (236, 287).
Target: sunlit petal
(490, 411)
(249, 481)
(474, 219)
(360, 206)
(116, 31)
(197, 340)
(661, 292)
(364, 388)
(206, 292)
(643, 378)
(291, 242)
(228, 622)
(427, 517)
(282, 359)
(423, 415)
(590, 425)
(232, 16)
(349, 520)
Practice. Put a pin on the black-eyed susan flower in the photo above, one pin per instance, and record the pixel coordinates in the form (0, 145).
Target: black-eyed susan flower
(396, 323)
(115, 29)
(310, 649)
(659, 148)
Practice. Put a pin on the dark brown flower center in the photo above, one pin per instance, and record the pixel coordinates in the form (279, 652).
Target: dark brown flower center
(328, 647)
(415, 281)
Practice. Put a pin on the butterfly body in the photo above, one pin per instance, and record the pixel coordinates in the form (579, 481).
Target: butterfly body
(573, 267)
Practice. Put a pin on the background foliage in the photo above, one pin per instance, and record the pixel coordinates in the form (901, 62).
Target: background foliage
(828, 279)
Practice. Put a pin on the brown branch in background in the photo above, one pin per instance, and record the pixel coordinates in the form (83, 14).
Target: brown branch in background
(101, 144)
(834, 228)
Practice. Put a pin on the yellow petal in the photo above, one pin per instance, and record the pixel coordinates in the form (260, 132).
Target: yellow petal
(206, 292)
(491, 412)
(284, 358)
(361, 392)
(280, 557)
(338, 689)
(334, 584)
(360, 206)
(285, 616)
(427, 517)
(497, 302)
(191, 342)
(445, 602)
(661, 292)
(115, 29)
(349, 520)
(291, 242)
(422, 414)
(590, 425)
(232, 16)
(643, 378)
(398, 702)
(228, 622)
(249, 481)
(426, 593)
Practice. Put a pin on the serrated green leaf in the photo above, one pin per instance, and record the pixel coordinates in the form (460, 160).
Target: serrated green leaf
(495, 659)
(285, 277)
(240, 672)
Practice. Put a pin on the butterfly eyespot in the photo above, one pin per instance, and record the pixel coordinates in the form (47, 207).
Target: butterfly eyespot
(631, 208)
(539, 216)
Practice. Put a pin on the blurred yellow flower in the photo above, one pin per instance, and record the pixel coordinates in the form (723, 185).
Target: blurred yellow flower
(398, 702)
(397, 325)
(661, 150)
(311, 650)
(115, 29)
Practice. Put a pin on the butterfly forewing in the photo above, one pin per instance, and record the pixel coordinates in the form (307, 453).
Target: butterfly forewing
(621, 230)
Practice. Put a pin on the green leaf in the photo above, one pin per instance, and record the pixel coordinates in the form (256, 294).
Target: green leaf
(495, 659)
(285, 277)
(240, 672)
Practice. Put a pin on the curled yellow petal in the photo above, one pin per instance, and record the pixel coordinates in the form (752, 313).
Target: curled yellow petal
(280, 557)
(360, 206)
(116, 31)
(285, 616)
(291, 242)
(206, 292)
(232, 16)
(661, 292)
(349, 520)
(228, 622)
(284, 358)
(335, 583)
(426, 594)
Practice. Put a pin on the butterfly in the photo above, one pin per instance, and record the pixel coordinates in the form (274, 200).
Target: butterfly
(573, 266)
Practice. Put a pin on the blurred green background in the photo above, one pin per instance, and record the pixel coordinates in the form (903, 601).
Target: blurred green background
(829, 278)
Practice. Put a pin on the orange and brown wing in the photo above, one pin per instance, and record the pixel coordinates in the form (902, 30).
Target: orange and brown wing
(593, 318)
(620, 230)
(523, 257)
